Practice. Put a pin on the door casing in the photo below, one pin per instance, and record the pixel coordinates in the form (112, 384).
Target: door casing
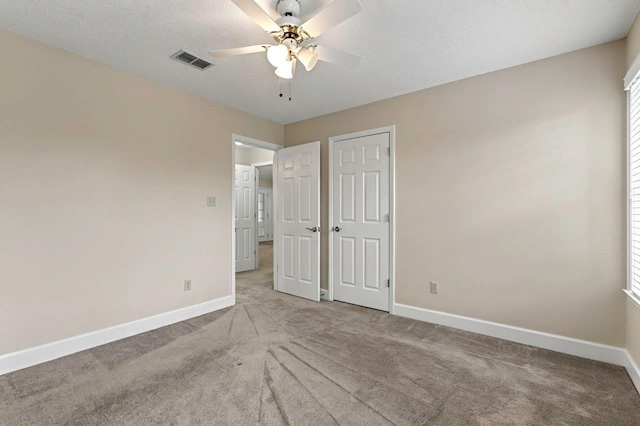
(268, 221)
(257, 166)
(391, 130)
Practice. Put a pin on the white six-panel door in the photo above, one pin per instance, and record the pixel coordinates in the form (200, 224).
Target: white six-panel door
(297, 239)
(245, 187)
(360, 218)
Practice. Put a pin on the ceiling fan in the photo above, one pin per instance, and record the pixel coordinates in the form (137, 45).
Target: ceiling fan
(294, 38)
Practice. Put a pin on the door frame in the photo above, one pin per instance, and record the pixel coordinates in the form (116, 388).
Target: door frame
(257, 166)
(255, 143)
(270, 191)
(391, 130)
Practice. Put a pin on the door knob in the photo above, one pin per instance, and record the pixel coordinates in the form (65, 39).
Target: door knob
(314, 229)
(337, 228)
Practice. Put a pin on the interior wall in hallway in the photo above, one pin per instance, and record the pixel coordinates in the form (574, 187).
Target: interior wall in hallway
(249, 156)
(265, 183)
(510, 193)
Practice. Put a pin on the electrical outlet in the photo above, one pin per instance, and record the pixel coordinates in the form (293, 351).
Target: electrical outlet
(434, 287)
(187, 285)
(211, 201)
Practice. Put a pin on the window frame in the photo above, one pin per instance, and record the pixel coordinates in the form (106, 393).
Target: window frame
(632, 77)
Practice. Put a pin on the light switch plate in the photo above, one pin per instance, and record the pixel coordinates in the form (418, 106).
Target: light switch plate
(211, 201)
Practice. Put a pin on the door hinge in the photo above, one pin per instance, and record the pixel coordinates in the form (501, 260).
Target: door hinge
(388, 283)
(387, 217)
(389, 152)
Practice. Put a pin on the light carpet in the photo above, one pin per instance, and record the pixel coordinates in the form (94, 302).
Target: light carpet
(276, 359)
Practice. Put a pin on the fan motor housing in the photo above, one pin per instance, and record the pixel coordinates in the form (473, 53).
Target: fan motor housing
(288, 7)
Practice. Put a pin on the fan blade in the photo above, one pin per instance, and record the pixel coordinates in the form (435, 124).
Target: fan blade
(223, 53)
(337, 57)
(335, 13)
(257, 13)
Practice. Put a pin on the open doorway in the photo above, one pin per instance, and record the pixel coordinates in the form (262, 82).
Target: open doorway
(253, 212)
(288, 259)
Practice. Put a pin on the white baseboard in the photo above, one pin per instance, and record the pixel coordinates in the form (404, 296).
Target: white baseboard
(50, 351)
(581, 348)
(633, 370)
(567, 345)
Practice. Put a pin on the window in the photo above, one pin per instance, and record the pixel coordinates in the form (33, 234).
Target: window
(632, 85)
(262, 231)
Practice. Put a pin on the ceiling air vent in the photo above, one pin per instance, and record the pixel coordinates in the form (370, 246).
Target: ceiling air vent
(201, 63)
(189, 59)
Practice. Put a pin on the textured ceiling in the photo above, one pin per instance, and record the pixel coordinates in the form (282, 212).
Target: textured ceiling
(405, 45)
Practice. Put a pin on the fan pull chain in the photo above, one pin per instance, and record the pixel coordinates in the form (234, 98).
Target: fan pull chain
(280, 84)
(290, 89)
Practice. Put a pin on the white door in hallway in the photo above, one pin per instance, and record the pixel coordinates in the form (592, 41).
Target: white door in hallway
(297, 238)
(245, 187)
(265, 214)
(360, 234)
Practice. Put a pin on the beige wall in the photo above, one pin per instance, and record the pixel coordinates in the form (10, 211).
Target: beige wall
(103, 183)
(633, 311)
(510, 193)
(265, 183)
(249, 156)
(633, 42)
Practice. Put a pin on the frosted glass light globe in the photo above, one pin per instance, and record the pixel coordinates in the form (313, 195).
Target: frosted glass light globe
(277, 55)
(308, 57)
(285, 70)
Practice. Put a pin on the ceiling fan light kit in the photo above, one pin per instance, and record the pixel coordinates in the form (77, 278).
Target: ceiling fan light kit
(293, 37)
(277, 55)
(285, 70)
(307, 57)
